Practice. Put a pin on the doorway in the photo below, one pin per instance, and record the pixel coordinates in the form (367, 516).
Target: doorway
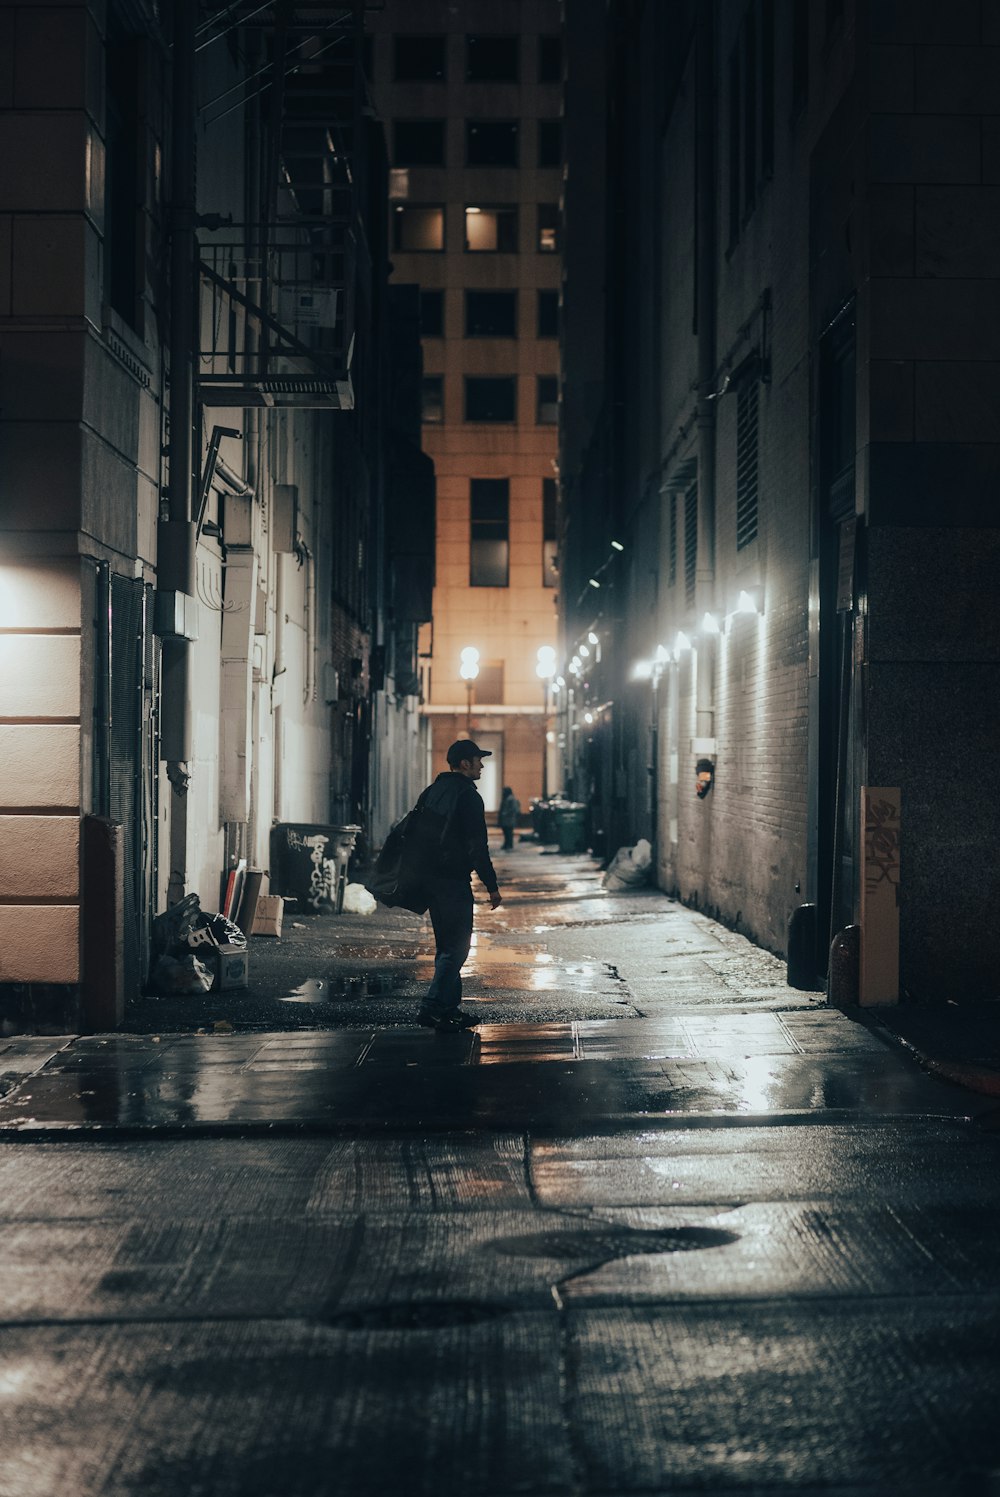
(491, 783)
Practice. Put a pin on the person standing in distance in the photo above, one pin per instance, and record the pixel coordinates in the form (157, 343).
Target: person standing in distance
(507, 816)
(464, 850)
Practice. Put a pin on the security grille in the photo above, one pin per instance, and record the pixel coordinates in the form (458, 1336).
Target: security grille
(746, 465)
(690, 541)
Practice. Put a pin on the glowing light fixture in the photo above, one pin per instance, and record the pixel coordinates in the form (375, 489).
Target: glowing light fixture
(588, 717)
(642, 670)
(592, 638)
(681, 643)
(546, 667)
(592, 582)
(710, 624)
(750, 600)
(617, 546)
(560, 680)
(584, 652)
(662, 655)
(469, 667)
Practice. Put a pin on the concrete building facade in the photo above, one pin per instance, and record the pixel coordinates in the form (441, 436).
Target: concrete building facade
(471, 99)
(204, 626)
(790, 412)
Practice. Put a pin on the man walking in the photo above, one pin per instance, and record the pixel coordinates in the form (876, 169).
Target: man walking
(464, 849)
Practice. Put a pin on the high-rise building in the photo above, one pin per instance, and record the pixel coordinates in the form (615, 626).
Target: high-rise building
(471, 98)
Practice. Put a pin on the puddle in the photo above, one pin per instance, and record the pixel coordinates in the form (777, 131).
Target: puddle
(313, 990)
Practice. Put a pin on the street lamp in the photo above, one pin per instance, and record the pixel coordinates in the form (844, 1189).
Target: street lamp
(469, 670)
(545, 670)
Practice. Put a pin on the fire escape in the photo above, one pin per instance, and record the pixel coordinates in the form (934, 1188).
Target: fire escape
(277, 305)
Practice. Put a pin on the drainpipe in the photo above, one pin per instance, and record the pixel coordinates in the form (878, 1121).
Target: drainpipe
(176, 538)
(705, 312)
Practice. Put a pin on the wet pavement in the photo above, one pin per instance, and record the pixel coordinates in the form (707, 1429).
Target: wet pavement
(660, 1225)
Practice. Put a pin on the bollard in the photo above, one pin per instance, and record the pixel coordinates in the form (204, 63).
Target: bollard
(844, 981)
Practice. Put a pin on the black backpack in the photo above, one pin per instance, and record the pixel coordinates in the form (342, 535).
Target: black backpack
(417, 847)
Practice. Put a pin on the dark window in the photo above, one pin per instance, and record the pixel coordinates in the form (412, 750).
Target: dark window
(419, 59)
(837, 416)
(550, 555)
(123, 183)
(491, 230)
(549, 142)
(749, 113)
(548, 228)
(432, 314)
(550, 59)
(418, 227)
(491, 142)
(690, 542)
(491, 398)
(548, 314)
(767, 88)
(492, 59)
(746, 464)
(418, 142)
(800, 56)
(491, 314)
(672, 527)
(734, 146)
(547, 409)
(489, 532)
(432, 398)
(488, 685)
(368, 56)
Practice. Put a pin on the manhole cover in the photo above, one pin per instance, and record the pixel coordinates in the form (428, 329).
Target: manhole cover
(414, 1317)
(614, 1242)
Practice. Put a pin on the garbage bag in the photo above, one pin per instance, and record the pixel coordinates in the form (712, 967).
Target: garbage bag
(629, 868)
(186, 926)
(172, 976)
(358, 901)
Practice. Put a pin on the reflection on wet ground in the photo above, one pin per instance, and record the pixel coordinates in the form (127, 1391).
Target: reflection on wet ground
(720, 1069)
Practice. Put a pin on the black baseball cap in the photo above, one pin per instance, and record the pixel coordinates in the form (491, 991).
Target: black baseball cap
(466, 749)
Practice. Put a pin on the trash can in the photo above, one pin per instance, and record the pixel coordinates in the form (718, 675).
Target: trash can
(571, 826)
(309, 863)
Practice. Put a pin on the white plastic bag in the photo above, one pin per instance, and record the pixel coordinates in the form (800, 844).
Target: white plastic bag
(357, 900)
(629, 868)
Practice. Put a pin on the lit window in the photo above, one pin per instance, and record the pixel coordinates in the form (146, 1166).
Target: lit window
(548, 228)
(491, 230)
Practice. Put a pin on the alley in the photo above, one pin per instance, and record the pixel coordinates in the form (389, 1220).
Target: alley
(720, 1238)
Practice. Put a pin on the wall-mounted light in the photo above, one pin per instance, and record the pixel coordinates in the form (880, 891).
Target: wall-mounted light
(662, 655)
(617, 546)
(642, 670)
(584, 652)
(592, 638)
(750, 600)
(592, 582)
(710, 624)
(560, 680)
(681, 643)
(588, 717)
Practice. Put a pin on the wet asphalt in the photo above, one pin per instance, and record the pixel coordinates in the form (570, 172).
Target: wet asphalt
(661, 1224)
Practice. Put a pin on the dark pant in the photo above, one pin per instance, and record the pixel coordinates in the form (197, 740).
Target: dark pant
(508, 837)
(450, 904)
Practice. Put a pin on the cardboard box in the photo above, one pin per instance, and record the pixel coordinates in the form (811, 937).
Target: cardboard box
(268, 916)
(232, 968)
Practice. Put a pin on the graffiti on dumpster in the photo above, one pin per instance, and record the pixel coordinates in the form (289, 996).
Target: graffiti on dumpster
(881, 842)
(323, 878)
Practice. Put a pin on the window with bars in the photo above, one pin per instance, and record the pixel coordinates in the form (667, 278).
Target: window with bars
(690, 542)
(746, 464)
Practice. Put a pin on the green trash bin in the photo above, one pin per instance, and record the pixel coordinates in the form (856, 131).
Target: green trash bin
(571, 826)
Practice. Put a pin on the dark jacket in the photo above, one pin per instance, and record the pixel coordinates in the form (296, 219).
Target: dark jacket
(467, 847)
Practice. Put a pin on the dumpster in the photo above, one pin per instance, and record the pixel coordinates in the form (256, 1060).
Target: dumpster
(309, 863)
(571, 826)
(543, 821)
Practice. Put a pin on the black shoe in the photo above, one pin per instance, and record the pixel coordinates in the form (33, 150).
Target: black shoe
(454, 1023)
